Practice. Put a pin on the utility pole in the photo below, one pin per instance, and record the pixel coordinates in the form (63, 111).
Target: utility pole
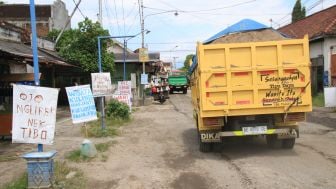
(67, 22)
(100, 14)
(174, 62)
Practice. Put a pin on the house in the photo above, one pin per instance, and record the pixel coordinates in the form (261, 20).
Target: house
(48, 17)
(321, 29)
(132, 62)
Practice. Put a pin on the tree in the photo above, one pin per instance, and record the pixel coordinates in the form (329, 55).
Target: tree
(298, 12)
(79, 46)
(1, 2)
(186, 64)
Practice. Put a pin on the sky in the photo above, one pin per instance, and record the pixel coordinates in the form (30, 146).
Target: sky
(177, 25)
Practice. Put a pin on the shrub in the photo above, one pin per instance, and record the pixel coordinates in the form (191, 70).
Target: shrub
(117, 110)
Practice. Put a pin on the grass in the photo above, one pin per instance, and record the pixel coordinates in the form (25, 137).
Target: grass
(78, 181)
(76, 156)
(93, 129)
(19, 183)
(318, 100)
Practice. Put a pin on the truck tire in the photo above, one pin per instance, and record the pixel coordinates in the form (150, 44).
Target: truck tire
(288, 143)
(271, 141)
(171, 91)
(185, 91)
(205, 147)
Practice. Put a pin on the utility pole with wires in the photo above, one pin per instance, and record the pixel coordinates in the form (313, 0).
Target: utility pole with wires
(67, 22)
(100, 14)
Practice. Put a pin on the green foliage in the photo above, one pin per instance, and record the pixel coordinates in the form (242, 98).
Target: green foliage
(298, 12)
(318, 100)
(186, 64)
(117, 110)
(93, 129)
(79, 46)
(1, 2)
(20, 183)
(76, 156)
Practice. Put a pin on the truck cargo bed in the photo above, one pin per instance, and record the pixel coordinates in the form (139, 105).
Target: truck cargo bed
(252, 78)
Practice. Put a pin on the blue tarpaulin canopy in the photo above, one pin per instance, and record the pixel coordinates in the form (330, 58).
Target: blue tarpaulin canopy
(241, 26)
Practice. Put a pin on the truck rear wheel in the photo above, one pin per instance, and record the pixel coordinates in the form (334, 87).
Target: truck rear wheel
(288, 143)
(271, 141)
(205, 146)
(185, 91)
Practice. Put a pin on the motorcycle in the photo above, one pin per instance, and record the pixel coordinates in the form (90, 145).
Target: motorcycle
(160, 93)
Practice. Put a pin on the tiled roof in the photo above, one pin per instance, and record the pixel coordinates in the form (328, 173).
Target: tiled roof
(134, 57)
(317, 25)
(17, 49)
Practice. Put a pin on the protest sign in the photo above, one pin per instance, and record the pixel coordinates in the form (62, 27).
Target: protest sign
(123, 98)
(125, 87)
(101, 84)
(34, 114)
(81, 102)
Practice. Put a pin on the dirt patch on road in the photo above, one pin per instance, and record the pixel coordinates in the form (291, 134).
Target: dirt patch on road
(178, 162)
(190, 180)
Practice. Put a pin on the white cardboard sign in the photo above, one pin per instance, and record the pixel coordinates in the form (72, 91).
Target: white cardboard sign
(330, 97)
(34, 114)
(125, 87)
(101, 84)
(123, 98)
(82, 106)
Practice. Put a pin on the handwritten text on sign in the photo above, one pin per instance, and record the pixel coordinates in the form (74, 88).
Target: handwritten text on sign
(101, 84)
(123, 98)
(124, 87)
(34, 114)
(81, 102)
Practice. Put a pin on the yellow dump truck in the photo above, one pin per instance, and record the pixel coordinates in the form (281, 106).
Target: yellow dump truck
(246, 89)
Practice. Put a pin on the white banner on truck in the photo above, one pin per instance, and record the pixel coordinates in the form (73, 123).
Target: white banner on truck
(34, 114)
(82, 106)
(101, 84)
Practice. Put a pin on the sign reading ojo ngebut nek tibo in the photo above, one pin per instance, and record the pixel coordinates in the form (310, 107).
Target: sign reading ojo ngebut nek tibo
(34, 114)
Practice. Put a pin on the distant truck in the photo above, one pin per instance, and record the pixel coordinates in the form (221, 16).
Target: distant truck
(178, 82)
(249, 89)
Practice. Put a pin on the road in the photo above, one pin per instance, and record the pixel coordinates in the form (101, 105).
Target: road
(160, 150)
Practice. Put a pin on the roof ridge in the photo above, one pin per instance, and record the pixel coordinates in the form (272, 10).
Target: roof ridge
(309, 16)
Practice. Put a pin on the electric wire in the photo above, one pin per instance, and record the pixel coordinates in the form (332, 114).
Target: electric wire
(116, 16)
(80, 11)
(123, 13)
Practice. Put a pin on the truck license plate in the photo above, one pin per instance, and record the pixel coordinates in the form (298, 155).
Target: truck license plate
(255, 130)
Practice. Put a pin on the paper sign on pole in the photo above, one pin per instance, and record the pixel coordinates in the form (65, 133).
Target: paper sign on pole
(34, 114)
(101, 84)
(144, 79)
(125, 87)
(123, 98)
(82, 106)
(143, 55)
